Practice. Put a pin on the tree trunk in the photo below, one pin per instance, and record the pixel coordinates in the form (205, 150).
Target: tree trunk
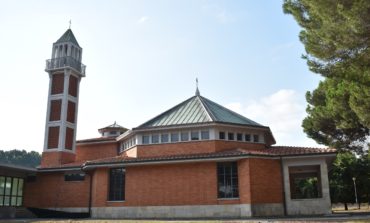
(345, 206)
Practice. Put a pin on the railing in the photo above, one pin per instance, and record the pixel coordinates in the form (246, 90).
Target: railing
(63, 62)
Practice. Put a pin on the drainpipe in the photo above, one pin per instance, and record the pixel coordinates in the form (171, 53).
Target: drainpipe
(91, 174)
(282, 179)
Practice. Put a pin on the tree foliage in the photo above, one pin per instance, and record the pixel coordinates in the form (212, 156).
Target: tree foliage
(336, 36)
(345, 167)
(20, 157)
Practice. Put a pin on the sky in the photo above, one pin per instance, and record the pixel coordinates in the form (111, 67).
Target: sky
(143, 57)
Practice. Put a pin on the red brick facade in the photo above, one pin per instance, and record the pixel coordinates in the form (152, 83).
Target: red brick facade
(57, 83)
(53, 137)
(72, 87)
(71, 112)
(55, 110)
(69, 138)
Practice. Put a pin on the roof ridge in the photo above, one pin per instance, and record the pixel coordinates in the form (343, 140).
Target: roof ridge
(208, 111)
(171, 109)
(231, 111)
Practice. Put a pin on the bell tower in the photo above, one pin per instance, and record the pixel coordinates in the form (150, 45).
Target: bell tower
(65, 72)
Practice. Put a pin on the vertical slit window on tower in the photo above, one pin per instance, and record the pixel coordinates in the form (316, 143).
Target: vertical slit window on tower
(227, 177)
(117, 184)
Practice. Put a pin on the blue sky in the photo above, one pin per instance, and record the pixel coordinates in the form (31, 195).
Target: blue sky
(142, 58)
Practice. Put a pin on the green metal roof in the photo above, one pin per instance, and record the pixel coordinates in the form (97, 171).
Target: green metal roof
(197, 110)
(68, 37)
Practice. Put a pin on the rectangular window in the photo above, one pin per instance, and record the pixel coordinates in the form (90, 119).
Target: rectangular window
(11, 191)
(239, 137)
(247, 137)
(305, 182)
(256, 138)
(164, 138)
(116, 184)
(230, 136)
(184, 136)
(204, 134)
(155, 138)
(195, 135)
(227, 178)
(74, 177)
(221, 135)
(174, 137)
(145, 139)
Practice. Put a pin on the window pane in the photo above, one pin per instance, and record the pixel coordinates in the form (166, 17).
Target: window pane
(174, 137)
(221, 135)
(13, 201)
(145, 139)
(155, 138)
(184, 136)
(247, 137)
(2, 185)
(19, 201)
(117, 184)
(255, 138)
(8, 185)
(239, 136)
(230, 136)
(20, 187)
(74, 177)
(1, 200)
(205, 134)
(164, 138)
(6, 201)
(15, 186)
(195, 135)
(227, 174)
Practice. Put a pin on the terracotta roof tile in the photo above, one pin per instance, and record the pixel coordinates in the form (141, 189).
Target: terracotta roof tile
(275, 151)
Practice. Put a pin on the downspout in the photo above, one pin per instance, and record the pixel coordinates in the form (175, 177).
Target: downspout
(282, 179)
(90, 191)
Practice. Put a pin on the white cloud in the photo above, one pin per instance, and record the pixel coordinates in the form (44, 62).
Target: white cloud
(143, 19)
(283, 111)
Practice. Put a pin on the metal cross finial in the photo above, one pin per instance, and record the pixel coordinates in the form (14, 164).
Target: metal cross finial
(197, 93)
(70, 23)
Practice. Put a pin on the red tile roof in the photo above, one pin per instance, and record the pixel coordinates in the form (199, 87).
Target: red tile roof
(270, 152)
(99, 139)
(275, 151)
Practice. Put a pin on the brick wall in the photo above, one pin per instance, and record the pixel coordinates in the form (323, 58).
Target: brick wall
(55, 110)
(96, 151)
(56, 158)
(50, 190)
(53, 137)
(72, 87)
(71, 112)
(265, 181)
(69, 138)
(177, 184)
(57, 84)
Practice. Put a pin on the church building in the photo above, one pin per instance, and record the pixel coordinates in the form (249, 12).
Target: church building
(198, 159)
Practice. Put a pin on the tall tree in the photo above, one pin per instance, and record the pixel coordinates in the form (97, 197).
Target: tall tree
(336, 36)
(20, 157)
